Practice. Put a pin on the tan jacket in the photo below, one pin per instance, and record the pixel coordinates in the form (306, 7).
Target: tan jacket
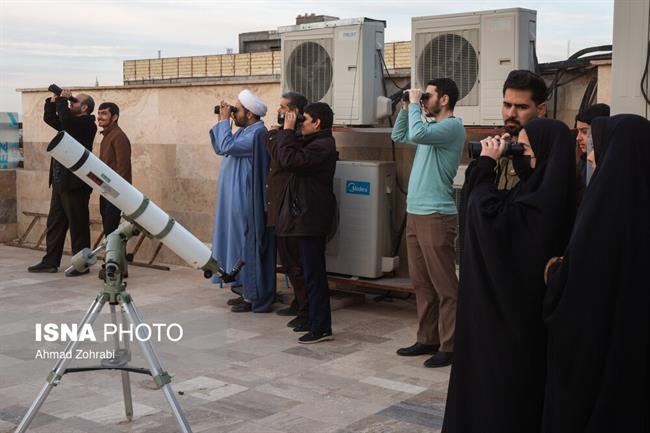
(115, 150)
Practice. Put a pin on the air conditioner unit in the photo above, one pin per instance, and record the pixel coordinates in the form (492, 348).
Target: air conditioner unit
(630, 57)
(365, 194)
(477, 50)
(336, 62)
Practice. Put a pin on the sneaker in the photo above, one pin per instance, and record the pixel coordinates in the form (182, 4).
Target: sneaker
(310, 338)
(440, 359)
(302, 326)
(235, 301)
(296, 321)
(42, 268)
(418, 349)
(75, 273)
(286, 312)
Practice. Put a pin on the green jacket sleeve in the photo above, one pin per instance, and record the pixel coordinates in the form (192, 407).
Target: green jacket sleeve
(433, 134)
(401, 129)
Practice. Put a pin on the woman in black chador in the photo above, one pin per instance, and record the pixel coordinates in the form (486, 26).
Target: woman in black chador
(597, 307)
(497, 379)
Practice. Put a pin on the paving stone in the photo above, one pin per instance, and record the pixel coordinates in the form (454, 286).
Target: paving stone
(233, 373)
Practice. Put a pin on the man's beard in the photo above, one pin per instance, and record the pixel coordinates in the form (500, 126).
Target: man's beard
(240, 122)
(435, 110)
(512, 129)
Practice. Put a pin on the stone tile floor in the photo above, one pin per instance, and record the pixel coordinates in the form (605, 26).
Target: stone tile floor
(239, 373)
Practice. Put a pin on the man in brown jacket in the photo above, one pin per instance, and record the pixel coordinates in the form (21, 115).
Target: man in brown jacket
(115, 151)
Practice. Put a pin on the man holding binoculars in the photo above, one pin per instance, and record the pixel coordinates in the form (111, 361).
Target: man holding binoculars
(240, 232)
(70, 195)
(431, 215)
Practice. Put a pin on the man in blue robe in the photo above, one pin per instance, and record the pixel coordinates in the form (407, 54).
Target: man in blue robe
(240, 232)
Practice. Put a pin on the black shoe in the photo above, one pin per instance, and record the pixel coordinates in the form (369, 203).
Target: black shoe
(243, 307)
(286, 312)
(302, 326)
(235, 301)
(42, 268)
(310, 338)
(75, 273)
(440, 359)
(418, 349)
(295, 322)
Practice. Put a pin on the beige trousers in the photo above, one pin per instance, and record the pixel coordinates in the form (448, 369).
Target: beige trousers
(432, 268)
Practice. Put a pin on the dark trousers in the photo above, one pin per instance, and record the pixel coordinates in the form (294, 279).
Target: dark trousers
(312, 258)
(110, 216)
(68, 209)
(289, 252)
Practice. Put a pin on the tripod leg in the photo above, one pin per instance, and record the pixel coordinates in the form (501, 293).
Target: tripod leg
(126, 380)
(121, 358)
(161, 377)
(59, 369)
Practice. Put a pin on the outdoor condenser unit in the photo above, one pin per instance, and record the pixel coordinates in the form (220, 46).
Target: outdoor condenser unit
(365, 194)
(630, 49)
(336, 62)
(477, 50)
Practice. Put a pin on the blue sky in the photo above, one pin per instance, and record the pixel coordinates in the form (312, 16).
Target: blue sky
(74, 42)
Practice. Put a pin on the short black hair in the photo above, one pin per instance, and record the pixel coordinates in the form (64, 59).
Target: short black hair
(590, 113)
(110, 106)
(321, 111)
(296, 100)
(446, 86)
(523, 79)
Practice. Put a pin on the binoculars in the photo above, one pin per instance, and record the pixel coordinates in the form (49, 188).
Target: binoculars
(57, 91)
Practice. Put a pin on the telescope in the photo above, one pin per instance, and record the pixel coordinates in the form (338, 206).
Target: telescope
(136, 207)
(141, 214)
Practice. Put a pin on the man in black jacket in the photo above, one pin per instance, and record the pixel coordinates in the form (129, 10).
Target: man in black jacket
(308, 205)
(70, 195)
(287, 246)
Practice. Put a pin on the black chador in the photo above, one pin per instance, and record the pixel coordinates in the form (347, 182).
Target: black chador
(497, 379)
(597, 308)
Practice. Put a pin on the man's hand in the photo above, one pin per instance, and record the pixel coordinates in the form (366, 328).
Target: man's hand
(224, 110)
(551, 262)
(414, 96)
(494, 146)
(290, 120)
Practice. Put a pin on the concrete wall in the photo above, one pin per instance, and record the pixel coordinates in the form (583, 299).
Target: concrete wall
(173, 161)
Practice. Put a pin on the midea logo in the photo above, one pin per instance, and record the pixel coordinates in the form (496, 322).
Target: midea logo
(354, 187)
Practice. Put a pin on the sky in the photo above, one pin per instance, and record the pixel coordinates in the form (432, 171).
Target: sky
(79, 42)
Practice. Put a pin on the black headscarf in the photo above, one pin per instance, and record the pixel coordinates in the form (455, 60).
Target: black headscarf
(602, 132)
(597, 309)
(497, 379)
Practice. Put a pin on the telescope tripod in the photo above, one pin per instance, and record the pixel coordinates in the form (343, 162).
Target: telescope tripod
(114, 293)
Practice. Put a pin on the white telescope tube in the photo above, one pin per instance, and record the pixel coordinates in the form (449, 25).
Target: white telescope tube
(135, 205)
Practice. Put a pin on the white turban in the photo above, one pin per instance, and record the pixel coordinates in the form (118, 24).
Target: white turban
(252, 103)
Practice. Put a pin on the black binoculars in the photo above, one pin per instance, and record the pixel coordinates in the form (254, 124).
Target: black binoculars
(57, 91)
(299, 119)
(513, 148)
(217, 108)
(423, 98)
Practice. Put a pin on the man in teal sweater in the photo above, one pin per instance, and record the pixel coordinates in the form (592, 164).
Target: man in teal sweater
(432, 215)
